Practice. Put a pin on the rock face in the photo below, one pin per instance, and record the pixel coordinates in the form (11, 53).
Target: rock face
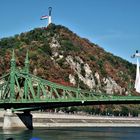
(79, 66)
(54, 45)
(72, 79)
(97, 76)
(112, 87)
(89, 78)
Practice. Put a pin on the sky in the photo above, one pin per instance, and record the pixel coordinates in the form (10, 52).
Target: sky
(112, 24)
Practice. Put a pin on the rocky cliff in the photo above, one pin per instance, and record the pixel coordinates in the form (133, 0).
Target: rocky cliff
(59, 55)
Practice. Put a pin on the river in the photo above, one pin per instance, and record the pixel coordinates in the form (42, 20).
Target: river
(91, 133)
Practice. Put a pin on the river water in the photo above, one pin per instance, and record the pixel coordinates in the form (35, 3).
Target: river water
(73, 134)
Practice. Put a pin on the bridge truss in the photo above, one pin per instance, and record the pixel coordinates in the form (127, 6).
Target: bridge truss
(21, 90)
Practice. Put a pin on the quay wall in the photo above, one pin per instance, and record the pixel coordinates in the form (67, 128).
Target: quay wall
(71, 120)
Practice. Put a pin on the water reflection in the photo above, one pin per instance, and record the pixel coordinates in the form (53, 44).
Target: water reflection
(72, 134)
(16, 134)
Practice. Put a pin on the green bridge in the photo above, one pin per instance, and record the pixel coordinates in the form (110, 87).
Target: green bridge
(21, 90)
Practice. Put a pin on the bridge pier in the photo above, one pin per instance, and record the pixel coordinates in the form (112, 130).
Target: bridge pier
(17, 120)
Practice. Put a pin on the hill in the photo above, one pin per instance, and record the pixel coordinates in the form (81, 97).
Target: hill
(59, 55)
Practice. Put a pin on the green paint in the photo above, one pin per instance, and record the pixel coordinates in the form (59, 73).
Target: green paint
(12, 77)
(36, 90)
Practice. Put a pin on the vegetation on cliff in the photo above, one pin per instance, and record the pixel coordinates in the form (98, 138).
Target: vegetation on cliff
(59, 55)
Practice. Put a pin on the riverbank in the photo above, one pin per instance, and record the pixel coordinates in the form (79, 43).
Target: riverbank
(69, 120)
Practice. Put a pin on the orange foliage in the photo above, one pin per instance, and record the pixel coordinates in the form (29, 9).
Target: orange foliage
(61, 82)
